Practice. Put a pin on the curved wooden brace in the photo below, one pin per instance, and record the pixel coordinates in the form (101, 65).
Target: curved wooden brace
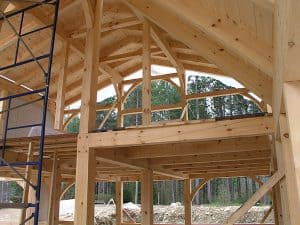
(66, 189)
(69, 120)
(198, 188)
(261, 105)
(137, 83)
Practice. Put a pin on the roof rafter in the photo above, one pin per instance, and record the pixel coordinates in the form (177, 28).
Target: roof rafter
(87, 6)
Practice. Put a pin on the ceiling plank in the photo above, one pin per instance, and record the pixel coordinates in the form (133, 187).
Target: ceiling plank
(225, 33)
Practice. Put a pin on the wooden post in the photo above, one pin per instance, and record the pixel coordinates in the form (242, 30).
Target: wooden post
(181, 75)
(147, 197)
(53, 215)
(286, 93)
(291, 195)
(61, 88)
(146, 74)
(85, 183)
(279, 191)
(44, 201)
(91, 65)
(119, 202)
(187, 202)
(120, 105)
(86, 163)
(26, 185)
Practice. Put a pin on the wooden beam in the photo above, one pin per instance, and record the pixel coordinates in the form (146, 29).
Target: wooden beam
(147, 197)
(89, 82)
(266, 215)
(250, 76)
(107, 116)
(146, 74)
(61, 86)
(85, 163)
(214, 130)
(187, 202)
(258, 195)
(114, 75)
(164, 46)
(64, 191)
(285, 92)
(53, 215)
(110, 26)
(87, 6)
(119, 202)
(120, 105)
(85, 183)
(153, 109)
(217, 93)
(198, 188)
(289, 157)
(287, 49)
(240, 173)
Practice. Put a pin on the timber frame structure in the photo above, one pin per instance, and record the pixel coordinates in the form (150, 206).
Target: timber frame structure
(101, 42)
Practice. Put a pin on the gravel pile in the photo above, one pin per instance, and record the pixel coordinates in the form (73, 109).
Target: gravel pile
(171, 214)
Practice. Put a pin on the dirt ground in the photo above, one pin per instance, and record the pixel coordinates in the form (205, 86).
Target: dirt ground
(172, 214)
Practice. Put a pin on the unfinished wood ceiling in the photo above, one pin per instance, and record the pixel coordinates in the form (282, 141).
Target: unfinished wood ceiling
(229, 37)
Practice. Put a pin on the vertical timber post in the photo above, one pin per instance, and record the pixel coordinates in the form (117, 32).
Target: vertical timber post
(61, 89)
(187, 202)
(119, 202)
(146, 74)
(91, 70)
(286, 93)
(85, 183)
(85, 166)
(120, 105)
(53, 213)
(147, 197)
(291, 193)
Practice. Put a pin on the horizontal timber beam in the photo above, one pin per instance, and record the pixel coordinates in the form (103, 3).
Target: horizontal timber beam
(187, 132)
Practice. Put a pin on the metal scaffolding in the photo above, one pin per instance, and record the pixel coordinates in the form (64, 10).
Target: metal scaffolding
(41, 94)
